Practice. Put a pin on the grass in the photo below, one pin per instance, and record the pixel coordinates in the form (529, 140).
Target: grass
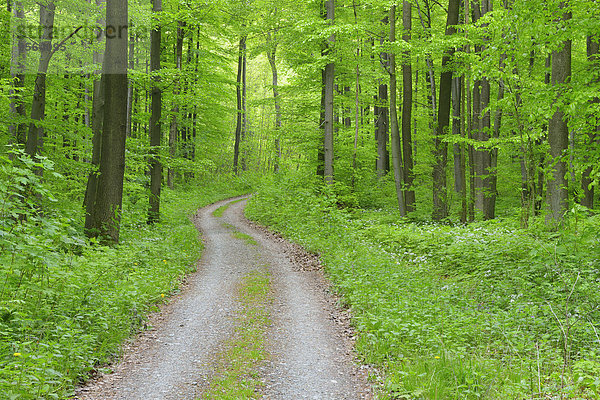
(219, 211)
(237, 376)
(240, 235)
(456, 312)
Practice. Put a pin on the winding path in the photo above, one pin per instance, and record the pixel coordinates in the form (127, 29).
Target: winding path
(309, 354)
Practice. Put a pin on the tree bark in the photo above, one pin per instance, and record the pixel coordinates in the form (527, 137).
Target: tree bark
(394, 129)
(244, 142)
(382, 130)
(271, 55)
(97, 121)
(173, 127)
(460, 183)
(155, 116)
(329, 86)
(440, 193)
(558, 132)
(19, 53)
(107, 208)
(238, 127)
(38, 105)
(407, 152)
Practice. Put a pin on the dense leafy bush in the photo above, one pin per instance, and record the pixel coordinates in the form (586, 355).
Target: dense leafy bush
(479, 311)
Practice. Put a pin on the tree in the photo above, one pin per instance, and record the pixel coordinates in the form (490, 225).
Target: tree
(174, 126)
(155, 123)
(407, 104)
(271, 55)
(38, 105)
(440, 200)
(19, 56)
(558, 129)
(106, 212)
(241, 81)
(382, 119)
(394, 130)
(329, 77)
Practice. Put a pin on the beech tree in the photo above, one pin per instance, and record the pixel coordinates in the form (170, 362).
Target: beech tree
(558, 129)
(329, 78)
(440, 194)
(394, 130)
(106, 211)
(155, 123)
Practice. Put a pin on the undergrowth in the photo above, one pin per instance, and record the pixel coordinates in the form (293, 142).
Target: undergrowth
(66, 304)
(483, 311)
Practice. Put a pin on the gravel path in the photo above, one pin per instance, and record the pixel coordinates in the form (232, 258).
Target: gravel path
(310, 353)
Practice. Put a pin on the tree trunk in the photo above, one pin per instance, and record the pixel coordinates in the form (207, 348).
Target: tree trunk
(329, 86)
(107, 208)
(460, 183)
(493, 171)
(97, 121)
(38, 105)
(409, 175)
(244, 141)
(173, 127)
(382, 130)
(320, 149)
(587, 199)
(19, 54)
(357, 108)
(558, 132)
(238, 127)
(394, 129)
(155, 116)
(271, 54)
(130, 87)
(440, 193)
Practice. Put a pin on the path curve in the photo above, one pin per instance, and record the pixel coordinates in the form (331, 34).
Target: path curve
(310, 356)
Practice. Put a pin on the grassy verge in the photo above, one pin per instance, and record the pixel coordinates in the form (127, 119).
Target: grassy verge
(66, 305)
(237, 377)
(219, 211)
(486, 311)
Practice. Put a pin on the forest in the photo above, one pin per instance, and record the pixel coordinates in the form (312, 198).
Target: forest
(441, 157)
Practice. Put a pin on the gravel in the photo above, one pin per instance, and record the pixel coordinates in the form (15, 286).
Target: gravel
(309, 343)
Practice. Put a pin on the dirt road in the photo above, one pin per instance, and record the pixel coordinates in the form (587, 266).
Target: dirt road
(308, 352)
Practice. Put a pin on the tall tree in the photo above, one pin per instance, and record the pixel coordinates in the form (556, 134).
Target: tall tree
(382, 119)
(394, 130)
(174, 125)
(97, 122)
(558, 130)
(155, 116)
(271, 55)
(329, 76)
(19, 55)
(38, 105)
(440, 194)
(240, 101)
(485, 196)
(106, 213)
(407, 103)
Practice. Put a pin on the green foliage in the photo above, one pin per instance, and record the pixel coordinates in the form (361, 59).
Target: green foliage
(480, 311)
(67, 304)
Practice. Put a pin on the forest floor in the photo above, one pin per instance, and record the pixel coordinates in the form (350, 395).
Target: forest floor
(257, 320)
